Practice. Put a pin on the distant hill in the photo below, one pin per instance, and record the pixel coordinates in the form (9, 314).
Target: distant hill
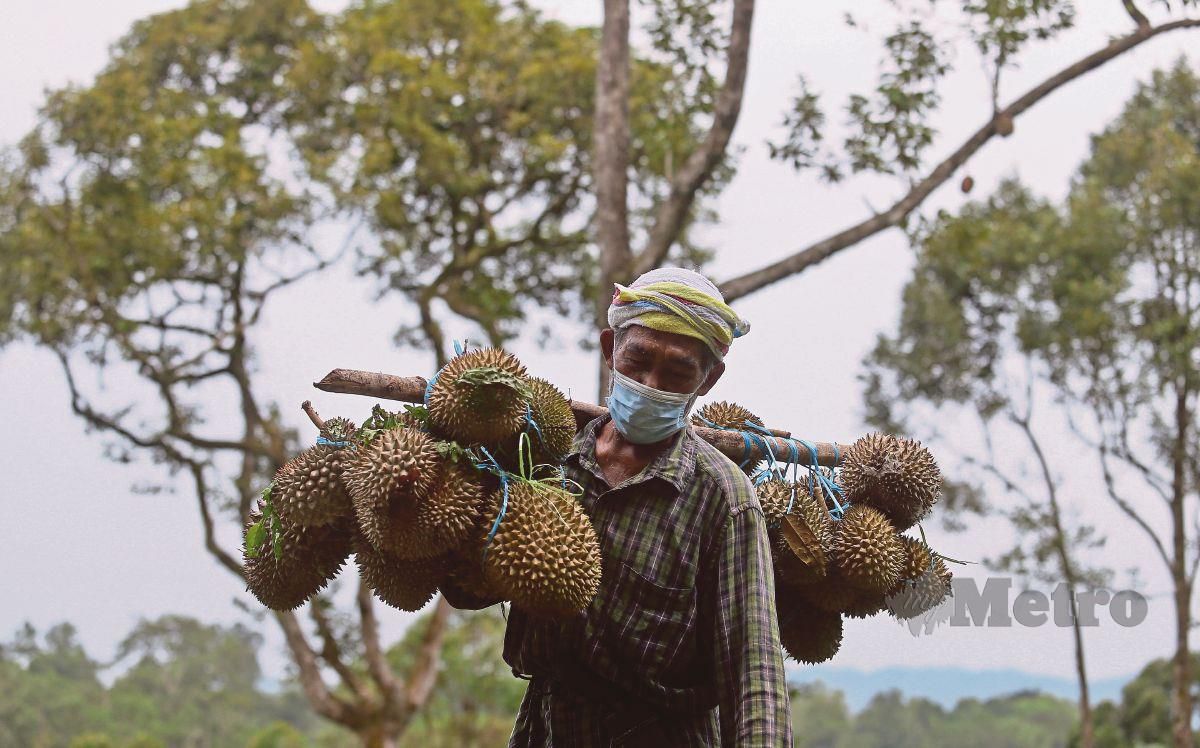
(946, 685)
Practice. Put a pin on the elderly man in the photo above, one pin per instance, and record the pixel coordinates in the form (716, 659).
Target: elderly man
(680, 647)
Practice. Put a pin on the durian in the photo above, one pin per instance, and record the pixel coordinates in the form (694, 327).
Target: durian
(466, 571)
(555, 433)
(397, 462)
(788, 565)
(774, 495)
(406, 584)
(913, 597)
(809, 634)
(832, 594)
(866, 549)
(865, 604)
(899, 477)
(725, 415)
(545, 555)
(309, 557)
(916, 557)
(479, 397)
(309, 488)
(428, 523)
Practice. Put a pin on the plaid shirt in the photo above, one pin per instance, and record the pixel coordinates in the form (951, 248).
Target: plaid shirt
(680, 647)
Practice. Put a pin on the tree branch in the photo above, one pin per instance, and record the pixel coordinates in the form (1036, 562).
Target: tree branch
(1138, 17)
(669, 217)
(331, 652)
(1127, 508)
(425, 670)
(748, 283)
(319, 697)
(610, 150)
(377, 664)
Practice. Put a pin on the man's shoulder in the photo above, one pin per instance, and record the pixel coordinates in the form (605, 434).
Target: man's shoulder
(715, 467)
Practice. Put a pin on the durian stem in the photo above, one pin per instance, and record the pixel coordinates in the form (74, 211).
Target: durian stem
(412, 390)
(308, 408)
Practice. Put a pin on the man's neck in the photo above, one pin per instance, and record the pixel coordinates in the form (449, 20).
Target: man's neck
(620, 458)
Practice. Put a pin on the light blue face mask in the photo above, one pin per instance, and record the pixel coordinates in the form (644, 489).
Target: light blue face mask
(643, 414)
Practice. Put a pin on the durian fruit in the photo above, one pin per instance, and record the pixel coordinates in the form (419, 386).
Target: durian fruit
(397, 462)
(555, 433)
(309, 488)
(465, 571)
(725, 415)
(809, 634)
(912, 597)
(309, 557)
(917, 558)
(406, 584)
(545, 555)
(899, 477)
(552, 412)
(832, 594)
(866, 549)
(866, 604)
(428, 523)
(774, 496)
(479, 397)
(790, 567)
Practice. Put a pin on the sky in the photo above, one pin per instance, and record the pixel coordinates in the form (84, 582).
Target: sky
(77, 544)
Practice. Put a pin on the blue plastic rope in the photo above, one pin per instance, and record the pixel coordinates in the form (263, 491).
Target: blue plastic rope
(323, 440)
(493, 467)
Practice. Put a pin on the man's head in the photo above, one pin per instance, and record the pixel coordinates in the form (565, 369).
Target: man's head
(668, 335)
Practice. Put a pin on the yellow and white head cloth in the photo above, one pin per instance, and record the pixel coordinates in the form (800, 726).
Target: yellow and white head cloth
(681, 301)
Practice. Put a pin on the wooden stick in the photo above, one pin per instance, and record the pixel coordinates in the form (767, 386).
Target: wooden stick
(731, 443)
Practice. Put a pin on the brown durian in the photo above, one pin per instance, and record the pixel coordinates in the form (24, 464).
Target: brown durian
(309, 489)
(309, 558)
(545, 555)
(912, 597)
(831, 594)
(774, 495)
(788, 565)
(725, 415)
(406, 584)
(809, 634)
(400, 462)
(866, 604)
(916, 557)
(866, 550)
(899, 477)
(428, 523)
(555, 433)
(479, 397)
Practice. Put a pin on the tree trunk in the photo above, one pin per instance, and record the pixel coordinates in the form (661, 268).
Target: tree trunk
(610, 164)
(1181, 677)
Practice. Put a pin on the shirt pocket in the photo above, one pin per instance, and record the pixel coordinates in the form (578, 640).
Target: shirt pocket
(648, 627)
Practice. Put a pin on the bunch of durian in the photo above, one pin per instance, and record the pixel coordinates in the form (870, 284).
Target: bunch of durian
(837, 540)
(426, 497)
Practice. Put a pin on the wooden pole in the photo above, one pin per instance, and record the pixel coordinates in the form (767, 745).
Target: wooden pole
(731, 443)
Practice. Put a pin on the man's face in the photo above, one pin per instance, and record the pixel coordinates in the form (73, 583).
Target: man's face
(662, 360)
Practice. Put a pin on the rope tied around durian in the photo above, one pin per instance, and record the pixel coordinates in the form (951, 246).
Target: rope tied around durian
(459, 349)
(756, 435)
(332, 443)
(525, 475)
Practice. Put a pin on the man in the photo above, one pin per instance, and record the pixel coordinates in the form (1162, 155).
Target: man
(680, 647)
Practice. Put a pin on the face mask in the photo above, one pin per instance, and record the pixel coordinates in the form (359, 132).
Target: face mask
(643, 414)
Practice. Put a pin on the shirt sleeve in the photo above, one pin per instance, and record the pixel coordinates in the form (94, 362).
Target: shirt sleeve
(751, 683)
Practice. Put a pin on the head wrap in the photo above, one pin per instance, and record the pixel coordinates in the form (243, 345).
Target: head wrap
(681, 301)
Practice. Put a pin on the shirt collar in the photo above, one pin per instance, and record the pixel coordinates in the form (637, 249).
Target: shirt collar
(675, 465)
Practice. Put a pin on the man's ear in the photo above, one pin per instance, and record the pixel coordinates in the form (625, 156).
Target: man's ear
(713, 375)
(607, 341)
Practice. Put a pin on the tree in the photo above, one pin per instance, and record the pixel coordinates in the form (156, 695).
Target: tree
(1102, 302)
(150, 216)
(891, 127)
(959, 355)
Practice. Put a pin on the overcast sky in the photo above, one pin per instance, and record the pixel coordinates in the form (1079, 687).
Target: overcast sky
(77, 544)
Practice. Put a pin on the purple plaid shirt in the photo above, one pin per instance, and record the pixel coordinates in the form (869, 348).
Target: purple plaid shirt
(680, 647)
